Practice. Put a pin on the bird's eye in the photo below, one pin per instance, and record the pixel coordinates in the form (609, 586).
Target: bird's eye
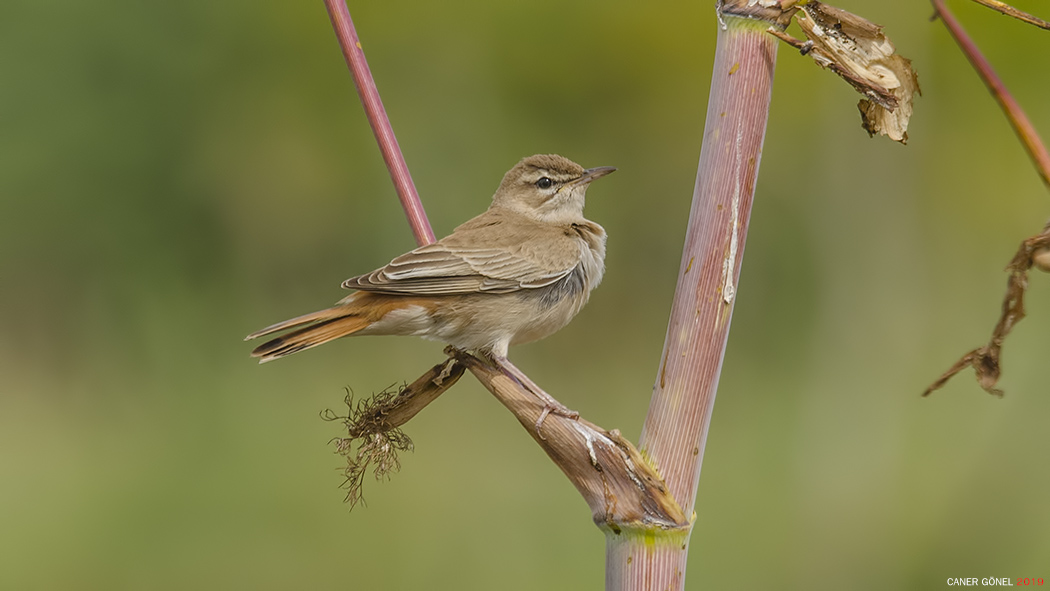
(545, 183)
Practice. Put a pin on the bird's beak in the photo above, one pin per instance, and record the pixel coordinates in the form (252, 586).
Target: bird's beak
(593, 173)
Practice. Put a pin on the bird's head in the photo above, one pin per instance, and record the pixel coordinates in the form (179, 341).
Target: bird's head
(547, 187)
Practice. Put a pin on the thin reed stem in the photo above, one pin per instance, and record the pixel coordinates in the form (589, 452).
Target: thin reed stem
(1014, 113)
(377, 118)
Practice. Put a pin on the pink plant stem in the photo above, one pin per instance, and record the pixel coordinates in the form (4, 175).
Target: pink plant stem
(377, 117)
(1014, 113)
(680, 411)
(676, 427)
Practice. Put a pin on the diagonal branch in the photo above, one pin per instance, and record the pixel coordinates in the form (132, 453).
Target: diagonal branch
(377, 118)
(1020, 122)
(623, 491)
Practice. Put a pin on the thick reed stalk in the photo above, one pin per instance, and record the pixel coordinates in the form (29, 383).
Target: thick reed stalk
(680, 411)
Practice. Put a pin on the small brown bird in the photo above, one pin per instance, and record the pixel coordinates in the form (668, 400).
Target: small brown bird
(516, 273)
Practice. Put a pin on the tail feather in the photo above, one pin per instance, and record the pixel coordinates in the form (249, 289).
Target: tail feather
(312, 317)
(328, 329)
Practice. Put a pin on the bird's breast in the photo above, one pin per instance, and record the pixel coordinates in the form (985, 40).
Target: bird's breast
(555, 305)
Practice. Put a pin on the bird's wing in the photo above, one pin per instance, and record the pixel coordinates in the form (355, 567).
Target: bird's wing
(489, 254)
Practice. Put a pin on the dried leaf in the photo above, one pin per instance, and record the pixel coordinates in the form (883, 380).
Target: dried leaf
(855, 49)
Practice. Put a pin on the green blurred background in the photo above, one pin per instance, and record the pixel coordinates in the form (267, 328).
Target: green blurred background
(174, 176)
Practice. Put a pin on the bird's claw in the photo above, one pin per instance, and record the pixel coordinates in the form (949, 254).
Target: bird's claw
(558, 409)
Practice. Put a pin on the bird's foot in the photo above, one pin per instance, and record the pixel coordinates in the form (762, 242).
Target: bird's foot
(550, 404)
(558, 409)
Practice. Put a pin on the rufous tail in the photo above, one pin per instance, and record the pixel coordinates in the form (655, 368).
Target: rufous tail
(317, 328)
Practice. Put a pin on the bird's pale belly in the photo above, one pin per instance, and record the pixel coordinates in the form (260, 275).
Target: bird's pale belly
(489, 322)
(550, 320)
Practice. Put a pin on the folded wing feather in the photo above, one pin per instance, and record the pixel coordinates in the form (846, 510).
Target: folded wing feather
(466, 262)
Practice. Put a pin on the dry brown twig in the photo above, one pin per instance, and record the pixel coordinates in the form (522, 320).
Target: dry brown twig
(1004, 8)
(1034, 251)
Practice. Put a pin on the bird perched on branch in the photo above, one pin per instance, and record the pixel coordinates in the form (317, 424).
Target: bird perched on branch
(517, 273)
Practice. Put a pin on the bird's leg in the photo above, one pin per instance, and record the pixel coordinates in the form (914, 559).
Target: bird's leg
(550, 404)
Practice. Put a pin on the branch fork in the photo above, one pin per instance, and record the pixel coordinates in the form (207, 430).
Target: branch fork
(622, 489)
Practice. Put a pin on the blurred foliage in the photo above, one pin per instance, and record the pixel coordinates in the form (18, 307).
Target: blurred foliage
(176, 175)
